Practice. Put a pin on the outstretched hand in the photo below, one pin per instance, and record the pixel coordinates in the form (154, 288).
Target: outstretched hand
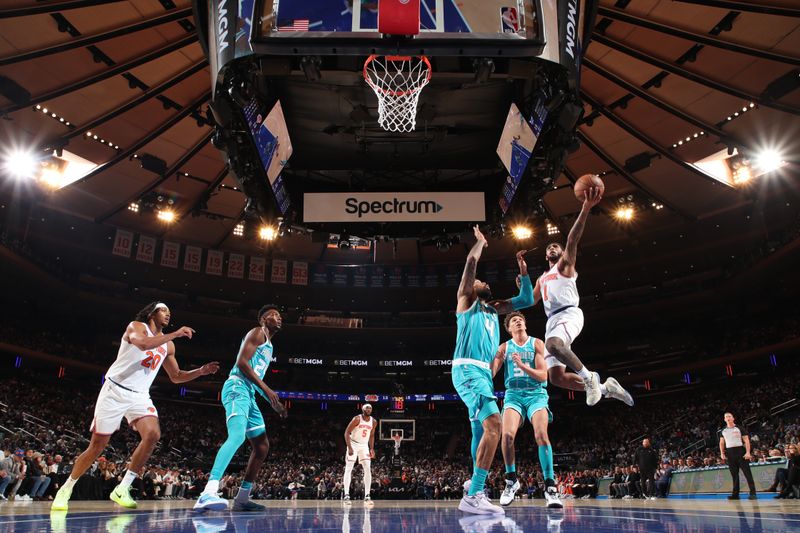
(209, 368)
(592, 197)
(523, 266)
(479, 236)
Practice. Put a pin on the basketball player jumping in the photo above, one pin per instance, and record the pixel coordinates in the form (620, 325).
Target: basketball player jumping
(360, 439)
(477, 338)
(242, 415)
(558, 292)
(526, 398)
(126, 393)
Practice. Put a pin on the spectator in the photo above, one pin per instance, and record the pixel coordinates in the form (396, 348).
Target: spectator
(664, 477)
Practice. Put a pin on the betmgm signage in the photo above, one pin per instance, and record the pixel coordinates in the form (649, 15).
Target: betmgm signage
(394, 207)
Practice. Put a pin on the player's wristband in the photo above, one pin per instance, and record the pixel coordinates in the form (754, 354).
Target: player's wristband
(525, 297)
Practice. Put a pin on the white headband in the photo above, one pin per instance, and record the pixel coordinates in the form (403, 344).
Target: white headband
(160, 305)
(365, 406)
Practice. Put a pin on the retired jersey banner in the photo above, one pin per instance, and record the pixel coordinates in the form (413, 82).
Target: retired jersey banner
(257, 270)
(170, 251)
(340, 276)
(279, 267)
(214, 263)
(123, 243)
(299, 273)
(394, 207)
(146, 252)
(192, 257)
(236, 266)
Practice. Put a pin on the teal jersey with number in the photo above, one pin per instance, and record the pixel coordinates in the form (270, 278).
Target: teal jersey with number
(478, 333)
(259, 363)
(515, 378)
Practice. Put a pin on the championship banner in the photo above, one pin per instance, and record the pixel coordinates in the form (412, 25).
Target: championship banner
(376, 276)
(170, 251)
(320, 276)
(278, 271)
(236, 266)
(431, 277)
(146, 252)
(394, 207)
(214, 263)
(340, 276)
(123, 242)
(412, 278)
(360, 277)
(299, 273)
(192, 257)
(257, 270)
(396, 277)
(453, 275)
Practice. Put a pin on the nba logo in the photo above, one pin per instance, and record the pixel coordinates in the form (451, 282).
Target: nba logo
(509, 20)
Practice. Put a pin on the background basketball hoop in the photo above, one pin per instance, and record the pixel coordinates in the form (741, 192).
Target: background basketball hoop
(397, 438)
(397, 81)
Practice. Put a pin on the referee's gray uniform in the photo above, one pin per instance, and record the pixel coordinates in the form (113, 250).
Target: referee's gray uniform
(734, 451)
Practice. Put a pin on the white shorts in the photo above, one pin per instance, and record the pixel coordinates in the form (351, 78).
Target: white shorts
(566, 325)
(113, 403)
(360, 453)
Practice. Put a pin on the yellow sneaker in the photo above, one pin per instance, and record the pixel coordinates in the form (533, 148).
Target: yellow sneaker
(61, 501)
(122, 496)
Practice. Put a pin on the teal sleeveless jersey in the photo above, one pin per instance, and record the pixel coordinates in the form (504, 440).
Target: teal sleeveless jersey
(515, 378)
(259, 362)
(478, 333)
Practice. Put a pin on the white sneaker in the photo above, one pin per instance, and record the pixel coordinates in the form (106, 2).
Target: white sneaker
(616, 391)
(592, 386)
(551, 497)
(479, 504)
(346, 499)
(509, 492)
(467, 485)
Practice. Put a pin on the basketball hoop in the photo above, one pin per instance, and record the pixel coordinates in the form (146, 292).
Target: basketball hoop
(397, 81)
(397, 438)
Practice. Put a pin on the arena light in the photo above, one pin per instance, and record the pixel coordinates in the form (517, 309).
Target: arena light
(21, 164)
(522, 232)
(133, 206)
(768, 160)
(267, 233)
(238, 230)
(624, 214)
(167, 216)
(552, 229)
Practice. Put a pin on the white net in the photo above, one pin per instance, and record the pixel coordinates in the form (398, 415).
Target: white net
(397, 82)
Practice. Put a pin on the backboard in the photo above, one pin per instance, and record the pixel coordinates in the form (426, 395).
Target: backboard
(351, 26)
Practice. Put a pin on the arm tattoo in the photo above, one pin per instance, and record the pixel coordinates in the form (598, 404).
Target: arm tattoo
(575, 235)
(468, 277)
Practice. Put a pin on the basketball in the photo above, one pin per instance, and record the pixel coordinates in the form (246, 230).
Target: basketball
(586, 181)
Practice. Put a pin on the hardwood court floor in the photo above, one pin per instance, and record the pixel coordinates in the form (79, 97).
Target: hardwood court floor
(595, 516)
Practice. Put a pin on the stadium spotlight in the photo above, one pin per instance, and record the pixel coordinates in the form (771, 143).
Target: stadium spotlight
(267, 233)
(768, 160)
(167, 216)
(522, 232)
(20, 164)
(624, 213)
(238, 230)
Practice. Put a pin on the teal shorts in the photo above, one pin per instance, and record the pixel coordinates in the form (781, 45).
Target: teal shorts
(474, 386)
(239, 399)
(527, 402)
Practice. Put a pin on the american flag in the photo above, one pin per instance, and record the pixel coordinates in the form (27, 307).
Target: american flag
(297, 25)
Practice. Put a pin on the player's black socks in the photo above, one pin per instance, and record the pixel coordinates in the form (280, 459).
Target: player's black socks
(511, 476)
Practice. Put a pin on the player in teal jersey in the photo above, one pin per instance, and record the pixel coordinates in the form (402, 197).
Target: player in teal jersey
(526, 398)
(242, 416)
(477, 337)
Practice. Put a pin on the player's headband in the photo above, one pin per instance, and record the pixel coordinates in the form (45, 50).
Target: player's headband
(160, 305)
(365, 406)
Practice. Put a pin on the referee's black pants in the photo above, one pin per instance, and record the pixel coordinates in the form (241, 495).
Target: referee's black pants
(737, 461)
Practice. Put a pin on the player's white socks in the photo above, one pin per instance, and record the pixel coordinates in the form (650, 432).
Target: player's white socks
(69, 483)
(212, 487)
(128, 479)
(584, 374)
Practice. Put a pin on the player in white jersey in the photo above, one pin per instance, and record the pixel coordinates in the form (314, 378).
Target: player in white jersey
(360, 439)
(143, 350)
(558, 291)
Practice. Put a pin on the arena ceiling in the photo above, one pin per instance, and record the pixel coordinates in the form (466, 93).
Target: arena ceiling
(664, 83)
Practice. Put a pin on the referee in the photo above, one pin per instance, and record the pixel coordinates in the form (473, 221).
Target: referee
(734, 445)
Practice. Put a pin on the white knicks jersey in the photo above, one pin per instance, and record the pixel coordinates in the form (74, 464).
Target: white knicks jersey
(558, 291)
(360, 433)
(135, 369)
